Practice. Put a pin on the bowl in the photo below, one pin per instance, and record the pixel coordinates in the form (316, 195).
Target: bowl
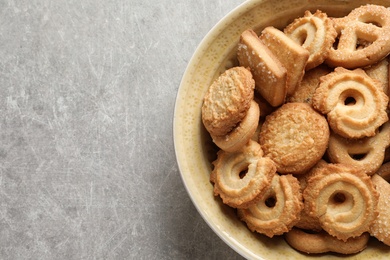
(193, 146)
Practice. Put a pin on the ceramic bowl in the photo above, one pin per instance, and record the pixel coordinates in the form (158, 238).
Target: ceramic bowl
(193, 146)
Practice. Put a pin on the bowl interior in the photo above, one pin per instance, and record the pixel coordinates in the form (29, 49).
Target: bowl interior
(194, 148)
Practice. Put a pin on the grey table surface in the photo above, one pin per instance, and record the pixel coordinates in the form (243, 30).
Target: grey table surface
(87, 162)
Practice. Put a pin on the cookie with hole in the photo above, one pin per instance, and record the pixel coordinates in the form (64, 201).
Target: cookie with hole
(362, 37)
(316, 33)
(366, 153)
(240, 178)
(278, 209)
(343, 199)
(354, 103)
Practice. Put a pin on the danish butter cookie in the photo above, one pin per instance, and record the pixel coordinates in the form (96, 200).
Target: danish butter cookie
(268, 72)
(240, 135)
(227, 100)
(322, 242)
(316, 33)
(381, 226)
(380, 72)
(306, 221)
(292, 55)
(366, 153)
(343, 198)
(295, 137)
(307, 87)
(278, 209)
(354, 103)
(242, 177)
(363, 37)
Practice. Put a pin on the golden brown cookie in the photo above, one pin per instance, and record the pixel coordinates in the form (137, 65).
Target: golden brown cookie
(380, 72)
(227, 100)
(278, 209)
(295, 137)
(363, 37)
(381, 226)
(306, 221)
(268, 72)
(242, 177)
(292, 55)
(240, 135)
(310, 82)
(354, 103)
(322, 242)
(343, 198)
(316, 33)
(366, 153)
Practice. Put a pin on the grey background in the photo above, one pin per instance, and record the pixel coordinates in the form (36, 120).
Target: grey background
(87, 163)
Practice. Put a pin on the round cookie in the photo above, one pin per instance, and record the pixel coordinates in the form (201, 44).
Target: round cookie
(354, 104)
(241, 178)
(227, 100)
(295, 137)
(315, 32)
(242, 133)
(343, 198)
(278, 209)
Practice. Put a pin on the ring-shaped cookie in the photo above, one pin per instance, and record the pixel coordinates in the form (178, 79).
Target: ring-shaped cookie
(240, 135)
(315, 32)
(363, 38)
(240, 178)
(343, 199)
(366, 153)
(278, 208)
(354, 103)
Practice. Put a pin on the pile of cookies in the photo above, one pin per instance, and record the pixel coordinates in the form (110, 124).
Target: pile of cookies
(303, 131)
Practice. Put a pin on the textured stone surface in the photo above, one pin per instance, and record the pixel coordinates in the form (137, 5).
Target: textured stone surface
(87, 165)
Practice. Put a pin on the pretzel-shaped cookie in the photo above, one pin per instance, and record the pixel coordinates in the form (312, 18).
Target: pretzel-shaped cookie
(354, 103)
(364, 36)
(278, 209)
(322, 242)
(315, 32)
(366, 153)
(343, 198)
(240, 178)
